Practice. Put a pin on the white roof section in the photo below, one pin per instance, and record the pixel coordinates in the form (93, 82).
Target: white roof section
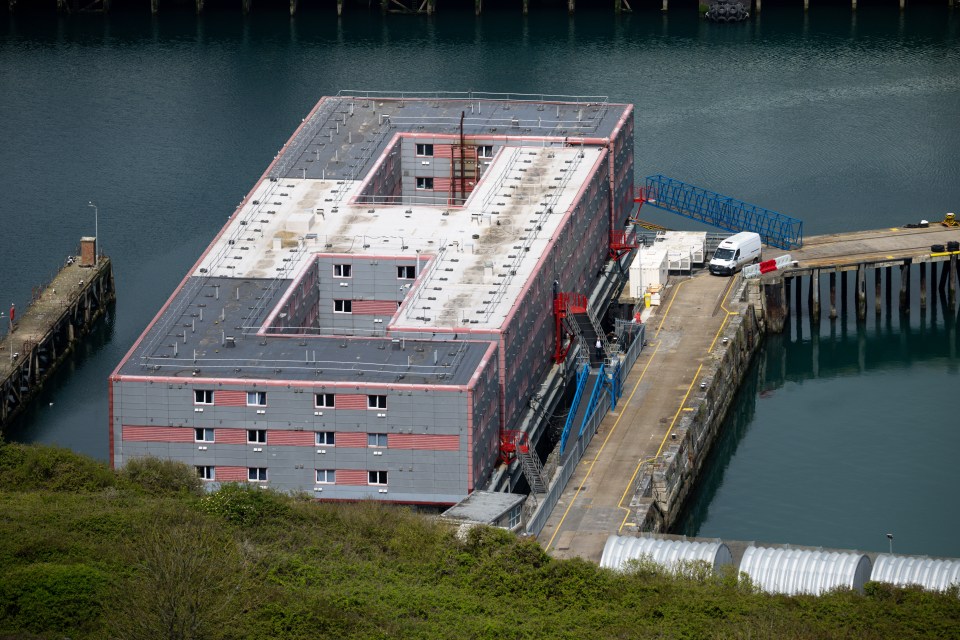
(795, 571)
(666, 553)
(514, 212)
(929, 573)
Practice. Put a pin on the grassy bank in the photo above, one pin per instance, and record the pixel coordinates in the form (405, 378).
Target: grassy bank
(89, 553)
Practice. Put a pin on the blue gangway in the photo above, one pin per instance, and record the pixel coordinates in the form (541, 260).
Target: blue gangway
(582, 376)
(696, 203)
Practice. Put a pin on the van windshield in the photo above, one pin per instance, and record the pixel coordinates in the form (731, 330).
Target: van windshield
(723, 254)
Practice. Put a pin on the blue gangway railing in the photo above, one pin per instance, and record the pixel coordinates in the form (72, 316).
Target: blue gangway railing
(594, 401)
(582, 376)
(696, 203)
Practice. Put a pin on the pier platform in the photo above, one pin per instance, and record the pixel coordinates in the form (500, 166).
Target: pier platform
(844, 251)
(48, 330)
(680, 339)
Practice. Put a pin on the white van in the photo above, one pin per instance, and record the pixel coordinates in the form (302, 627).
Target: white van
(736, 251)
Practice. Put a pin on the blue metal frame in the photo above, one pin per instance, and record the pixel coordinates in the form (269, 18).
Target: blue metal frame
(616, 385)
(776, 229)
(582, 376)
(594, 400)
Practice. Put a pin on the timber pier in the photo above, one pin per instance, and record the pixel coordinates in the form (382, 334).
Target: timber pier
(400, 7)
(35, 343)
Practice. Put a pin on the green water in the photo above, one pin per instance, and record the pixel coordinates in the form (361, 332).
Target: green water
(844, 121)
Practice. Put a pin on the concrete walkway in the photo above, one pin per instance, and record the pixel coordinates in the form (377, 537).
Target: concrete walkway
(679, 336)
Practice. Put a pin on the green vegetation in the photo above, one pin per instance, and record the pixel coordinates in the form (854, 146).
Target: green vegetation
(141, 554)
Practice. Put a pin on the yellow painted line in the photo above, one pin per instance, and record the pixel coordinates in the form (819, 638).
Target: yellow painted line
(667, 312)
(677, 414)
(894, 228)
(659, 451)
(605, 440)
(941, 254)
(689, 409)
(723, 305)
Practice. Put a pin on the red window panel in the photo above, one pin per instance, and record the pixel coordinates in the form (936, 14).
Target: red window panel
(374, 307)
(157, 434)
(231, 436)
(423, 442)
(231, 474)
(291, 438)
(223, 398)
(351, 400)
(442, 151)
(350, 439)
(442, 184)
(352, 476)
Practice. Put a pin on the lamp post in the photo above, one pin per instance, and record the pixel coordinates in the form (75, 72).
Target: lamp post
(96, 232)
(890, 540)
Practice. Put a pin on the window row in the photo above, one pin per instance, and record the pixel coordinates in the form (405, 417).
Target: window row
(254, 398)
(323, 476)
(259, 399)
(404, 272)
(322, 438)
(483, 151)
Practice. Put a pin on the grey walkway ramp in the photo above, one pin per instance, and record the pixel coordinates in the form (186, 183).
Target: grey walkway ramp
(590, 335)
(655, 393)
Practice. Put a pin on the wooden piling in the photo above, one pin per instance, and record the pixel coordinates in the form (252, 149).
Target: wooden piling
(477, 7)
(853, 5)
(806, 5)
(787, 283)
(889, 288)
(571, 6)
(844, 296)
(340, 8)
(903, 4)
(154, 6)
(526, 7)
(904, 282)
(952, 292)
(861, 293)
(799, 309)
(617, 6)
(246, 6)
(200, 6)
(757, 7)
(293, 8)
(815, 296)
(775, 302)
(663, 8)
(876, 289)
(923, 286)
(833, 295)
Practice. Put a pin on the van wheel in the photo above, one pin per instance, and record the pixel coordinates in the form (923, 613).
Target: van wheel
(756, 260)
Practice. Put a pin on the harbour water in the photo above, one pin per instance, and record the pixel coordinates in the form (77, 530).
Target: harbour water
(845, 121)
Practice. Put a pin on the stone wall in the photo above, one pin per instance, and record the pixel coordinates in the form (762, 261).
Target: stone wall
(664, 483)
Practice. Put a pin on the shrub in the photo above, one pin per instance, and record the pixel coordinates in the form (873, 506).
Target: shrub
(51, 597)
(158, 477)
(245, 505)
(44, 468)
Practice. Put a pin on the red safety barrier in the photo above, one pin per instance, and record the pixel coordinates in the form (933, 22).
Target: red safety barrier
(767, 266)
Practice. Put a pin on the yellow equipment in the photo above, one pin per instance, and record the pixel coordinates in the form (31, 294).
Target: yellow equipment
(950, 220)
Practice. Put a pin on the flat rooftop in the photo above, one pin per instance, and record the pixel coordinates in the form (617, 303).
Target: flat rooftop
(476, 258)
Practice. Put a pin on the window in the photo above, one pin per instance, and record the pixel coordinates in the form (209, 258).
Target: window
(257, 436)
(424, 183)
(323, 400)
(256, 398)
(326, 476)
(424, 149)
(326, 438)
(407, 272)
(485, 151)
(342, 271)
(343, 306)
(206, 473)
(513, 519)
(376, 477)
(203, 435)
(202, 396)
(376, 402)
(376, 439)
(257, 474)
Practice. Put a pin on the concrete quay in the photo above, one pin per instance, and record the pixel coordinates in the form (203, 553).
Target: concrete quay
(662, 393)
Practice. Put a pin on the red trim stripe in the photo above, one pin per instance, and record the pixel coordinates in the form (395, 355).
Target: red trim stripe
(423, 442)
(351, 439)
(225, 398)
(157, 434)
(293, 438)
(230, 474)
(352, 476)
(230, 436)
(350, 401)
(374, 307)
